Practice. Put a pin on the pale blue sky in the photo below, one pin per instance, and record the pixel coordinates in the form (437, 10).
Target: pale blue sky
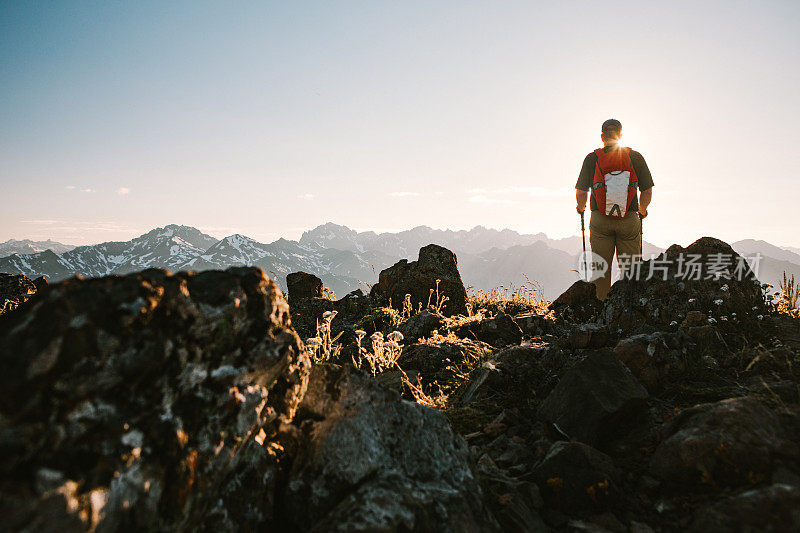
(269, 118)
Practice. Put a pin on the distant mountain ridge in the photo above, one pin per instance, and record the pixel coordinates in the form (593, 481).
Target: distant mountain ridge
(752, 246)
(346, 259)
(27, 246)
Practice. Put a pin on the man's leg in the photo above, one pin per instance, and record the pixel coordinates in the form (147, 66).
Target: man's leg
(601, 239)
(629, 241)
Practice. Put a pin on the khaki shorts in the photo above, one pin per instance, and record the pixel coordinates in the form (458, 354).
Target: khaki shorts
(608, 236)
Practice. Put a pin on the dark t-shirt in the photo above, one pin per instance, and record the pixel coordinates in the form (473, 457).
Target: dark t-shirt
(586, 177)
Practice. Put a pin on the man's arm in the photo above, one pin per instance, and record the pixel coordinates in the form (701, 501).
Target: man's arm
(585, 181)
(644, 200)
(645, 181)
(581, 197)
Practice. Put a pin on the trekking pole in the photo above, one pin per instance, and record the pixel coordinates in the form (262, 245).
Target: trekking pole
(641, 237)
(583, 235)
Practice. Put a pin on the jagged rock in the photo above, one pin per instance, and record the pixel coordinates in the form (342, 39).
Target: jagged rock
(40, 283)
(653, 357)
(14, 290)
(350, 310)
(666, 296)
(578, 302)
(499, 331)
(419, 277)
(577, 479)
(368, 461)
(301, 285)
(774, 508)
(594, 400)
(420, 325)
(729, 443)
(146, 402)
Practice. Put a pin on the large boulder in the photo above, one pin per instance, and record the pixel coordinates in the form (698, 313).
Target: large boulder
(595, 399)
(707, 276)
(579, 302)
(146, 402)
(419, 277)
(365, 460)
(14, 290)
(302, 285)
(734, 442)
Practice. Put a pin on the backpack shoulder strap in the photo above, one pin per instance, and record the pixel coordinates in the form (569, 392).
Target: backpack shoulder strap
(600, 153)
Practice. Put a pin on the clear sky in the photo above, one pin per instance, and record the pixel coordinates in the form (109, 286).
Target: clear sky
(268, 118)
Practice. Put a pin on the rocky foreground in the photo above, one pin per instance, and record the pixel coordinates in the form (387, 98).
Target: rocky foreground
(155, 401)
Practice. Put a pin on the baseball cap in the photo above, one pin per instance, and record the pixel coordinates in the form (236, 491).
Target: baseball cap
(611, 125)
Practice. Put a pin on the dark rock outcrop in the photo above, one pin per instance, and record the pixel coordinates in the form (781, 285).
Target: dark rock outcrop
(734, 442)
(417, 278)
(40, 283)
(578, 302)
(147, 401)
(14, 290)
(301, 285)
(595, 399)
(671, 292)
(367, 461)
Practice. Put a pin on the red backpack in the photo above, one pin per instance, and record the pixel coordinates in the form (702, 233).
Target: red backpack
(615, 182)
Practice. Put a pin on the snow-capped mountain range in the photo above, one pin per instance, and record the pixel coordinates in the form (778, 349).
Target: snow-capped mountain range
(345, 259)
(27, 246)
(177, 248)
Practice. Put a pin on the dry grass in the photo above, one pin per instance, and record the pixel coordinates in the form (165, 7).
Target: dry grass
(788, 297)
(324, 347)
(384, 353)
(512, 300)
(7, 305)
(420, 396)
(384, 350)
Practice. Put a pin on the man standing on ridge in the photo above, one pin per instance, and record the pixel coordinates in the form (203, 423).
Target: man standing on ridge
(614, 173)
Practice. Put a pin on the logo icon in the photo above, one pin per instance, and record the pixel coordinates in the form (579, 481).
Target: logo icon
(591, 266)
